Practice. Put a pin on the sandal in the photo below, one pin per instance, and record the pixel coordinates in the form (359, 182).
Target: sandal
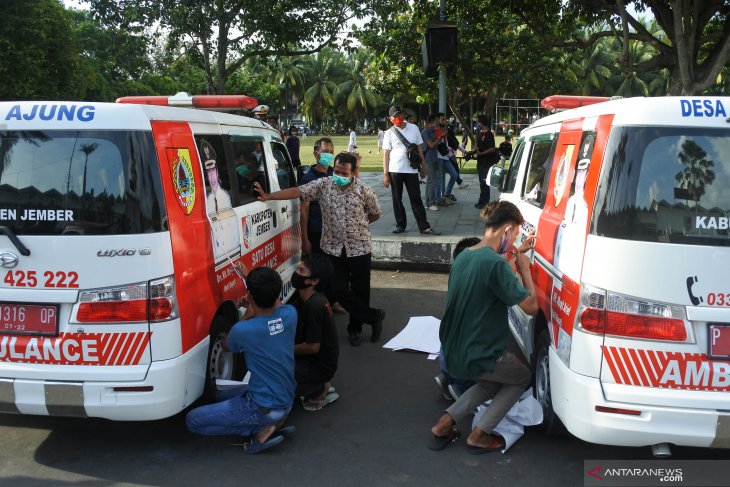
(314, 405)
(438, 443)
(286, 430)
(255, 446)
(497, 444)
(430, 231)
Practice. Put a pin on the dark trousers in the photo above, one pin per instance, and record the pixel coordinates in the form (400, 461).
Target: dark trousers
(483, 170)
(410, 180)
(351, 288)
(315, 238)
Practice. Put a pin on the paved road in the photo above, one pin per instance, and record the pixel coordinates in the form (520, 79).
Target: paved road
(375, 435)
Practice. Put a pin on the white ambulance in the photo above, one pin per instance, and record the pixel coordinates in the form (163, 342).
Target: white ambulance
(121, 226)
(631, 202)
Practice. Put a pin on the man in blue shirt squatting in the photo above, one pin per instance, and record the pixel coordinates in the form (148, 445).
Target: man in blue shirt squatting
(266, 335)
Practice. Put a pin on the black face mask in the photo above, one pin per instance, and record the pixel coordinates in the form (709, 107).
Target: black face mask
(297, 280)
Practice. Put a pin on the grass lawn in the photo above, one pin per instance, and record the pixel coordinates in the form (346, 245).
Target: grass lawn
(367, 146)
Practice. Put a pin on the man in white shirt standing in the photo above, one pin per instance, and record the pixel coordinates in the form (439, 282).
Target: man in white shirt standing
(397, 172)
(352, 145)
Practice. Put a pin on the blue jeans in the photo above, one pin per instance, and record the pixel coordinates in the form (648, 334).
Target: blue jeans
(451, 170)
(434, 178)
(234, 414)
(460, 384)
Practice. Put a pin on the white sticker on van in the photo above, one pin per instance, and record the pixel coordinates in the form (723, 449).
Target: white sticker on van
(712, 222)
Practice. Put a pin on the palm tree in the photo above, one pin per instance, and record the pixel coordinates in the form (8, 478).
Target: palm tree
(359, 98)
(289, 71)
(592, 67)
(320, 94)
(698, 172)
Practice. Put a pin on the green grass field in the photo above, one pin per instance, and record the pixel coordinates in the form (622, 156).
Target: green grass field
(367, 146)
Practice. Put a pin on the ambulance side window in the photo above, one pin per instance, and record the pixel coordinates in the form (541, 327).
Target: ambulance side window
(514, 167)
(249, 159)
(284, 171)
(542, 149)
(215, 169)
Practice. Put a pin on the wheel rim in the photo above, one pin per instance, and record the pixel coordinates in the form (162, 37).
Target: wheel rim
(542, 381)
(221, 362)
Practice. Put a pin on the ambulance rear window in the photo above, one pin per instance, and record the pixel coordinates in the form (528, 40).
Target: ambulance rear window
(666, 184)
(80, 183)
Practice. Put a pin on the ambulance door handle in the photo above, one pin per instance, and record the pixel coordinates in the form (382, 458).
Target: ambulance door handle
(18, 244)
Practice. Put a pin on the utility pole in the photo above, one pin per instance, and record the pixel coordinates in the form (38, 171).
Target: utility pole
(442, 69)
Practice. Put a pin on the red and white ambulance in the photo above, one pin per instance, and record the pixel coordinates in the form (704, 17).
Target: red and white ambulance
(631, 202)
(120, 229)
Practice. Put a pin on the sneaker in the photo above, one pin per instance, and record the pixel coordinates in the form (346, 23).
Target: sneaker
(463, 185)
(355, 339)
(451, 197)
(399, 230)
(445, 202)
(433, 207)
(378, 326)
(441, 382)
(454, 391)
(479, 206)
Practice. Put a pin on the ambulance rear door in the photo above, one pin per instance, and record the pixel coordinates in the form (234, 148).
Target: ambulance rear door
(656, 262)
(83, 242)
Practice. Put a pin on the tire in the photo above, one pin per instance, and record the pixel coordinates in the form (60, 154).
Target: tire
(551, 424)
(221, 364)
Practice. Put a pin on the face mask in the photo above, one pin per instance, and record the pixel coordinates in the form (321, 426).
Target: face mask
(326, 159)
(341, 181)
(504, 243)
(397, 120)
(297, 280)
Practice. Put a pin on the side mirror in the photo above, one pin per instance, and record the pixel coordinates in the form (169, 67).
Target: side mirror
(496, 177)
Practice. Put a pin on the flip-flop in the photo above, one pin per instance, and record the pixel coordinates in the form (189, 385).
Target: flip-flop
(438, 443)
(255, 446)
(497, 444)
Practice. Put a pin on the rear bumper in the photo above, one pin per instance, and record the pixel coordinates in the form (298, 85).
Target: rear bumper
(175, 384)
(575, 398)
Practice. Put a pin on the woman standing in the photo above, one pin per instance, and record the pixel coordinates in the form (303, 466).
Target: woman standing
(292, 143)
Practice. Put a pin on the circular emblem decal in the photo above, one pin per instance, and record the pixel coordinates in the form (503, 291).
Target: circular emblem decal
(561, 177)
(246, 232)
(182, 178)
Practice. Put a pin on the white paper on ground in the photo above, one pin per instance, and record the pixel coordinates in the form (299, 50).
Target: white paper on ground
(526, 412)
(420, 334)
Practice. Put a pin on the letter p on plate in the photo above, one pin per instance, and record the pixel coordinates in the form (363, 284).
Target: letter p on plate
(715, 335)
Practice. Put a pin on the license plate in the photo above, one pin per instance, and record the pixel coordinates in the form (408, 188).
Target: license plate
(718, 337)
(28, 319)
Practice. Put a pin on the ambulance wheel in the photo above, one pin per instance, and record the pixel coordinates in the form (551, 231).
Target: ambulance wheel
(221, 364)
(551, 424)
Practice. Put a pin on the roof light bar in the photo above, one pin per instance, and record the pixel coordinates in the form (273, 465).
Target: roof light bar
(207, 102)
(567, 102)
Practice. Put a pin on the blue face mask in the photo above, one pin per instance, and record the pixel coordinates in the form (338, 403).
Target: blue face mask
(326, 159)
(341, 181)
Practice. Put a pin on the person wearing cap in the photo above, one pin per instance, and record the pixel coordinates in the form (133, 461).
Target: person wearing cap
(348, 206)
(397, 172)
(218, 198)
(261, 112)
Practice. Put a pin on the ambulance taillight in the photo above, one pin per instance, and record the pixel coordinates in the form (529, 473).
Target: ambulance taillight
(622, 316)
(204, 102)
(152, 301)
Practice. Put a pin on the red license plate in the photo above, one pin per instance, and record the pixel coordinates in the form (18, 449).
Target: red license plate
(28, 319)
(718, 338)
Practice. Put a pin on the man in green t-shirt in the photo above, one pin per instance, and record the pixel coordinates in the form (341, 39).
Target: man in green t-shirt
(474, 329)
